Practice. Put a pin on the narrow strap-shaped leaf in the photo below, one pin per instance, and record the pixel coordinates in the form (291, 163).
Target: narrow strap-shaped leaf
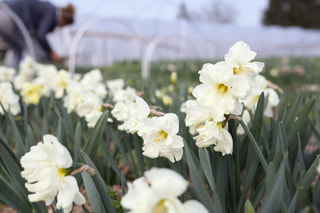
(255, 146)
(293, 203)
(96, 135)
(299, 121)
(110, 160)
(12, 164)
(311, 173)
(11, 198)
(272, 201)
(197, 182)
(138, 150)
(18, 141)
(207, 169)
(93, 193)
(100, 185)
(77, 143)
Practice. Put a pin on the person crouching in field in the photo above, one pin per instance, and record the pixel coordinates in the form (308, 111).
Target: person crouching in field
(39, 18)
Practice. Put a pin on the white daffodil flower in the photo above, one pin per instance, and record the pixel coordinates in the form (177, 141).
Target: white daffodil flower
(197, 115)
(123, 94)
(90, 102)
(8, 99)
(260, 86)
(158, 191)
(115, 85)
(220, 87)
(240, 56)
(7, 74)
(137, 111)
(121, 110)
(31, 93)
(75, 94)
(160, 137)
(93, 82)
(93, 117)
(60, 82)
(28, 65)
(45, 168)
(213, 133)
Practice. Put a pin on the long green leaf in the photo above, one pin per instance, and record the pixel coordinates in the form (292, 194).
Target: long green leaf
(272, 201)
(207, 169)
(100, 185)
(77, 143)
(10, 197)
(95, 138)
(255, 146)
(93, 193)
(198, 183)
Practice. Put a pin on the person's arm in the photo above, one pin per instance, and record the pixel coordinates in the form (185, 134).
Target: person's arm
(45, 26)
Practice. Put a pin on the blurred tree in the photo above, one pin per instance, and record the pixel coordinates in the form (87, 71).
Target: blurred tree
(303, 13)
(220, 12)
(183, 12)
(216, 12)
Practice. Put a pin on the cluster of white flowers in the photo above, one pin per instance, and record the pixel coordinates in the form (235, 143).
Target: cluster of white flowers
(81, 94)
(225, 87)
(85, 96)
(159, 134)
(45, 169)
(158, 191)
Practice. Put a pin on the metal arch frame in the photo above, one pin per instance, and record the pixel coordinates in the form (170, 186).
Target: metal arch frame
(79, 35)
(22, 28)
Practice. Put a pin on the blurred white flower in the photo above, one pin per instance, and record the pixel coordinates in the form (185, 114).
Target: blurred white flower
(7, 74)
(93, 82)
(121, 110)
(60, 82)
(187, 104)
(90, 102)
(115, 85)
(260, 86)
(240, 56)
(123, 94)
(31, 93)
(28, 65)
(158, 191)
(75, 93)
(220, 87)
(160, 137)
(45, 169)
(8, 99)
(93, 116)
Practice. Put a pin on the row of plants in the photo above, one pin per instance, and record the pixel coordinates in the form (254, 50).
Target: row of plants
(227, 141)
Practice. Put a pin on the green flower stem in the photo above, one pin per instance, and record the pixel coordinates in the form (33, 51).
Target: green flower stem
(255, 146)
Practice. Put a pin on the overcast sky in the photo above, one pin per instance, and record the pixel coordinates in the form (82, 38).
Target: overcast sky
(247, 12)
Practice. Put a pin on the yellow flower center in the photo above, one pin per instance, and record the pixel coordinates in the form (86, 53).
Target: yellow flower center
(238, 71)
(160, 207)
(256, 99)
(61, 172)
(219, 125)
(222, 89)
(162, 136)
